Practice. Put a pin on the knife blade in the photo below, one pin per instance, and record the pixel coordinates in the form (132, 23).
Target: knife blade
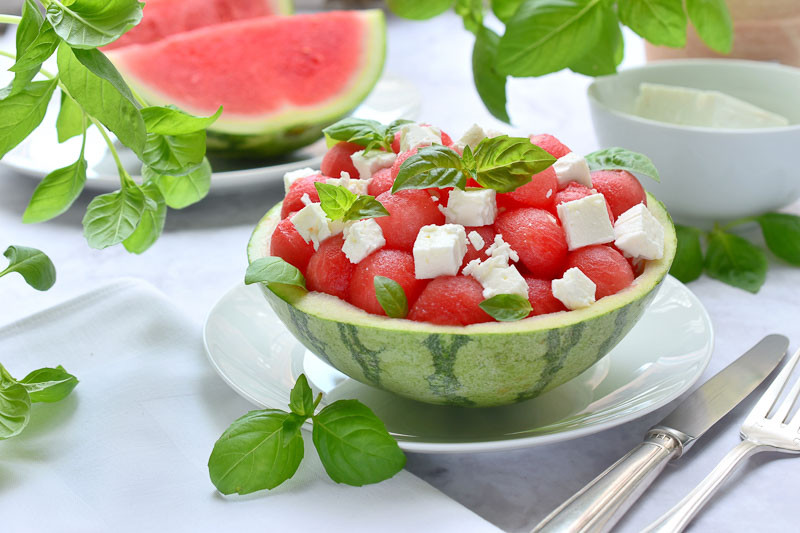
(601, 503)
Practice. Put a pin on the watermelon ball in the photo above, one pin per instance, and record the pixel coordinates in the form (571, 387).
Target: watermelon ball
(487, 233)
(609, 270)
(576, 191)
(550, 144)
(329, 270)
(294, 198)
(382, 181)
(539, 192)
(537, 237)
(393, 264)
(450, 301)
(408, 211)
(621, 189)
(337, 160)
(289, 245)
(396, 143)
(399, 161)
(540, 294)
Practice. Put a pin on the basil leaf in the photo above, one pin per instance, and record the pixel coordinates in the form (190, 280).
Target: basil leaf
(34, 55)
(505, 9)
(15, 409)
(49, 384)
(70, 121)
(416, 10)
(504, 163)
(33, 265)
(395, 126)
(490, 84)
(22, 112)
(359, 131)
(152, 222)
(712, 20)
(99, 65)
(182, 191)
(391, 296)
(254, 454)
(335, 200)
(432, 166)
(273, 270)
(688, 263)
(603, 57)
(471, 13)
(93, 23)
(301, 399)
(782, 235)
(662, 22)
(27, 31)
(622, 159)
(735, 261)
(111, 218)
(354, 446)
(56, 192)
(546, 36)
(174, 155)
(365, 206)
(170, 121)
(507, 307)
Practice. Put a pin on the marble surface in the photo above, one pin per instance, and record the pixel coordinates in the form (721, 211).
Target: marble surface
(201, 255)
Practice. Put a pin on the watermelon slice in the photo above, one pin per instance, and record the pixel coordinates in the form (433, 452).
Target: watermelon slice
(162, 18)
(280, 80)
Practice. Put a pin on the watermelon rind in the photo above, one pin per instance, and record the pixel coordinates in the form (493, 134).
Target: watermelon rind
(487, 364)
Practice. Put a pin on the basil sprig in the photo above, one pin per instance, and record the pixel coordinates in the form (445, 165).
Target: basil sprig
(33, 265)
(622, 159)
(262, 449)
(507, 307)
(339, 203)
(370, 134)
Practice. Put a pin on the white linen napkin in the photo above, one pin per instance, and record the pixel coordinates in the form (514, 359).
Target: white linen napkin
(127, 450)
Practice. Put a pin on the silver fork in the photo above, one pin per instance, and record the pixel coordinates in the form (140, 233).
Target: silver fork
(760, 432)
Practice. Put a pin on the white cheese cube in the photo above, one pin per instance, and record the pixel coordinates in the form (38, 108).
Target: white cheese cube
(368, 163)
(586, 221)
(477, 207)
(439, 250)
(355, 186)
(294, 175)
(361, 238)
(476, 240)
(472, 137)
(500, 248)
(574, 289)
(416, 136)
(572, 167)
(312, 224)
(639, 234)
(497, 277)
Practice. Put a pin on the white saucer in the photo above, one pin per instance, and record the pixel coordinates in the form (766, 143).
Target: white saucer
(662, 356)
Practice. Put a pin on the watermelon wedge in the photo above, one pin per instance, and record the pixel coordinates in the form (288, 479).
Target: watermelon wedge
(280, 80)
(162, 18)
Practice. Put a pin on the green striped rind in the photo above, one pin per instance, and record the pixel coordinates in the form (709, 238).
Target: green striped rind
(478, 365)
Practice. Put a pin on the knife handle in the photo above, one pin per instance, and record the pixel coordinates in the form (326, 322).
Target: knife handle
(601, 503)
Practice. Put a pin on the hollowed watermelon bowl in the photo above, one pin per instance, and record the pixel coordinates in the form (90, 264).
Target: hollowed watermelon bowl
(479, 365)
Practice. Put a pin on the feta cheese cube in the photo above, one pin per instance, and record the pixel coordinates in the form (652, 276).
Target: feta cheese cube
(306, 199)
(355, 186)
(416, 136)
(500, 248)
(572, 167)
(496, 276)
(361, 238)
(368, 163)
(294, 175)
(476, 240)
(439, 250)
(476, 207)
(586, 221)
(639, 234)
(574, 289)
(312, 224)
(472, 137)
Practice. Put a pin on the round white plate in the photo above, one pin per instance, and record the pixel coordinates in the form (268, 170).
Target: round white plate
(38, 155)
(662, 356)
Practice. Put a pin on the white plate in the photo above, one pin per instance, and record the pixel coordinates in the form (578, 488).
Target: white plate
(40, 154)
(662, 356)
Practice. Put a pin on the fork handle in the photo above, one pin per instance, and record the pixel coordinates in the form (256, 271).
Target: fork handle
(677, 518)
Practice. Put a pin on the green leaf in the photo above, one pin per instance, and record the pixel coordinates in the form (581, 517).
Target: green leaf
(174, 155)
(301, 399)
(365, 206)
(603, 57)
(49, 384)
(111, 218)
(37, 52)
(93, 23)
(99, 98)
(782, 234)
(416, 10)
(359, 131)
(56, 192)
(15, 408)
(273, 270)
(504, 163)
(334, 200)
(99, 65)
(662, 22)
(33, 265)
(505, 9)
(507, 307)
(22, 112)
(735, 261)
(182, 191)
(471, 13)
(712, 20)
(170, 121)
(546, 36)
(152, 222)
(354, 446)
(432, 166)
(391, 296)
(622, 159)
(688, 263)
(27, 31)
(254, 453)
(490, 84)
(70, 121)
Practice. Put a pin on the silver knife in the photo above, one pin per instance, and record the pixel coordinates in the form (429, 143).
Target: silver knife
(601, 503)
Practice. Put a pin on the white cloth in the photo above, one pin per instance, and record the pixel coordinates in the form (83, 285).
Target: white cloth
(127, 450)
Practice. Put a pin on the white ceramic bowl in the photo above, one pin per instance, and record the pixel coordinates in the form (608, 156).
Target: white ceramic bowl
(709, 174)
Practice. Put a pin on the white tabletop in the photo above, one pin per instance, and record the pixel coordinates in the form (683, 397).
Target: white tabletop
(202, 254)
